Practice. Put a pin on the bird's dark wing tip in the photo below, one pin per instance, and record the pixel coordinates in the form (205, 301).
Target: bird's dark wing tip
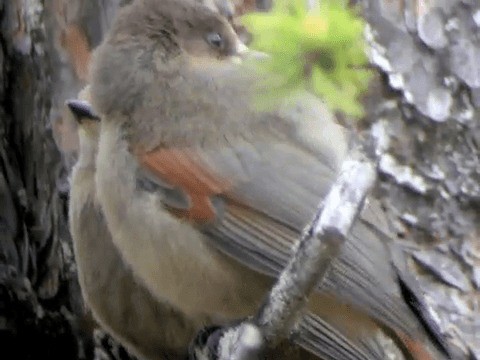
(419, 308)
(82, 110)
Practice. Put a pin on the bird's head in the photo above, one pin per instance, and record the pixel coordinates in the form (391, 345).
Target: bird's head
(150, 42)
(175, 27)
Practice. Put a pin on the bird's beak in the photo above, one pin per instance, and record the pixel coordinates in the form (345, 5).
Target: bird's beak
(241, 51)
(82, 110)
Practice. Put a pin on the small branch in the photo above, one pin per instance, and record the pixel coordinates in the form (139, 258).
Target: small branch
(317, 249)
(314, 253)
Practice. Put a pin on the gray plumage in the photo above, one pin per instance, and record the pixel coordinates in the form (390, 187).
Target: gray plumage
(176, 106)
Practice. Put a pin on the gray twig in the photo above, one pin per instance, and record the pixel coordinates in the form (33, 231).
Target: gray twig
(314, 253)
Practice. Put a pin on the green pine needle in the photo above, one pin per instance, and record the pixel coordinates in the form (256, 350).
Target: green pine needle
(321, 50)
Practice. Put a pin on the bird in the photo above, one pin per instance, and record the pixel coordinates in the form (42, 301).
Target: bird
(205, 194)
(111, 291)
(109, 287)
(119, 302)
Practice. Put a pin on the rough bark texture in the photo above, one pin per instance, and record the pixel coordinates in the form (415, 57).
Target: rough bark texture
(429, 56)
(426, 102)
(43, 56)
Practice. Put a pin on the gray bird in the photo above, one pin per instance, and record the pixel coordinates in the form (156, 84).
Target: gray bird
(205, 194)
(120, 303)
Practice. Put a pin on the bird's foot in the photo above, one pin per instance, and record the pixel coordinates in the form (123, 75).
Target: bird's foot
(241, 340)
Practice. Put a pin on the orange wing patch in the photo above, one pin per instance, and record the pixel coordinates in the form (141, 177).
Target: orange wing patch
(183, 168)
(415, 348)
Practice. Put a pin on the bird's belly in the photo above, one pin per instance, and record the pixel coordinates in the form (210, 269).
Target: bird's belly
(178, 267)
(171, 258)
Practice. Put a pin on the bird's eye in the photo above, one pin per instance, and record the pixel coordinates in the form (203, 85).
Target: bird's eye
(215, 40)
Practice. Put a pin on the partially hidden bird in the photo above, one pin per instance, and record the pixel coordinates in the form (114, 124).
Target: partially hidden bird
(119, 302)
(205, 194)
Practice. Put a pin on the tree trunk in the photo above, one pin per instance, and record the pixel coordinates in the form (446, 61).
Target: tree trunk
(45, 47)
(426, 100)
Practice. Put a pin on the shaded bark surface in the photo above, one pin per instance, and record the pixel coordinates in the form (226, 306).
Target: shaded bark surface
(425, 101)
(41, 310)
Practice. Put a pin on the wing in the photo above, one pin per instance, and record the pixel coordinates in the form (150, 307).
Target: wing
(253, 201)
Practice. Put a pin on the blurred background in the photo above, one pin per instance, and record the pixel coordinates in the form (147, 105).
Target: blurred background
(425, 98)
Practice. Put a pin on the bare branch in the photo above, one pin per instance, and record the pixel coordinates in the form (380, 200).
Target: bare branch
(314, 253)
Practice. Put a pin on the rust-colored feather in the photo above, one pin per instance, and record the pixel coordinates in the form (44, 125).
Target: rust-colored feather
(415, 348)
(182, 168)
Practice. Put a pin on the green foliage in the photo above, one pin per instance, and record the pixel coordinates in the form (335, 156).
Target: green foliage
(320, 49)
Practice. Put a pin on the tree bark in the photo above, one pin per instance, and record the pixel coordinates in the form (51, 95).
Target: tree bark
(427, 102)
(43, 57)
